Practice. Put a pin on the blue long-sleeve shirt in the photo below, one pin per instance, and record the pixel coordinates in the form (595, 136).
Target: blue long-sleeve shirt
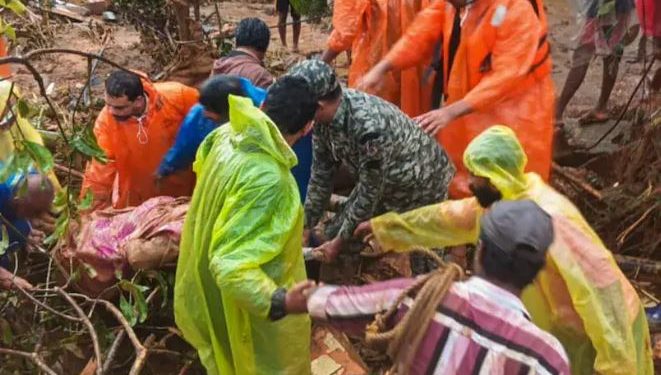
(196, 126)
(17, 228)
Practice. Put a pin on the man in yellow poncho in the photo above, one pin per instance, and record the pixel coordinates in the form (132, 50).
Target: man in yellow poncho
(14, 127)
(581, 296)
(241, 245)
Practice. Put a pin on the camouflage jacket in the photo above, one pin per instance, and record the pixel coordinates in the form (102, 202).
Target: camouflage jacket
(398, 167)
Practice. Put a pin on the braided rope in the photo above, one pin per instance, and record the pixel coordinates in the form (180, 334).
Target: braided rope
(402, 341)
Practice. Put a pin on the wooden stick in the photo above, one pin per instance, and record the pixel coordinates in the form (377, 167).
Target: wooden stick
(64, 169)
(90, 327)
(627, 232)
(34, 357)
(577, 181)
(634, 263)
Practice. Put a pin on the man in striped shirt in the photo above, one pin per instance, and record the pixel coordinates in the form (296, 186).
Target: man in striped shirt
(481, 325)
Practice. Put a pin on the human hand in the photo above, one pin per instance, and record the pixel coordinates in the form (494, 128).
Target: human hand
(306, 237)
(329, 250)
(9, 281)
(432, 122)
(363, 229)
(45, 222)
(371, 81)
(36, 237)
(296, 300)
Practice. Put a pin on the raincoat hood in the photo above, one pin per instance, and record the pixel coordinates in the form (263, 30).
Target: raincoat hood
(496, 154)
(242, 241)
(252, 129)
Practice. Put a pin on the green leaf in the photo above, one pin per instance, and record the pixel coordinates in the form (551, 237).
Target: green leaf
(7, 333)
(61, 228)
(85, 143)
(42, 157)
(127, 310)
(15, 6)
(86, 202)
(10, 32)
(4, 242)
(156, 275)
(606, 9)
(60, 201)
(23, 108)
(19, 162)
(137, 292)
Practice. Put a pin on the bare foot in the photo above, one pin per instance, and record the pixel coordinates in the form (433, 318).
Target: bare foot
(295, 49)
(594, 117)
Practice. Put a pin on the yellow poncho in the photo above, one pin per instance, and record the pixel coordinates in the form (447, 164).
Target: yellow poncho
(21, 128)
(241, 241)
(581, 296)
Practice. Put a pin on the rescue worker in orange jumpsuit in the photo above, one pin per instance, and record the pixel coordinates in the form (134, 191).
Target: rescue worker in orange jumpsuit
(369, 29)
(135, 129)
(497, 70)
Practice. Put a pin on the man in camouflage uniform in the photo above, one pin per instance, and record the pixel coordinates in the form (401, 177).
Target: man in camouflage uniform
(397, 166)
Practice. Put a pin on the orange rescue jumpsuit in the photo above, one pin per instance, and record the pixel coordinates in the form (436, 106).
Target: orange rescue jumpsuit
(369, 28)
(134, 151)
(502, 69)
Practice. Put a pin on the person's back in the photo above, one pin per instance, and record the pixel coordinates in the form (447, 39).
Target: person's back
(496, 70)
(252, 41)
(368, 133)
(135, 129)
(479, 326)
(241, 245)
(369, 28)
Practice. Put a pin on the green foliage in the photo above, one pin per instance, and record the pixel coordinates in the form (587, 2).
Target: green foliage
(40, 155)
(136, 311)
(310, 8)
(86, 202)
(17, 8)
(85, 143)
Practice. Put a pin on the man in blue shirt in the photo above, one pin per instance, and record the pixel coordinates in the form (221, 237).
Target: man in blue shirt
(21, 199)
(212, 111)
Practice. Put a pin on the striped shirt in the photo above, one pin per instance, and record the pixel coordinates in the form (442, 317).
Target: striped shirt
(479, 328)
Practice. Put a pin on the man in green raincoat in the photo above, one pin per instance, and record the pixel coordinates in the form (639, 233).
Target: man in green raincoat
(241, 246)
(580, 296)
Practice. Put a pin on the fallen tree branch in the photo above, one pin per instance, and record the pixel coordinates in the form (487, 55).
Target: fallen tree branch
(25, 61)
(141, 351)
(628, 263)
(71, 171)
(90, 327)
(577, 181)
(44, 306)
(34, 357)
(627, 232)
(120, 337)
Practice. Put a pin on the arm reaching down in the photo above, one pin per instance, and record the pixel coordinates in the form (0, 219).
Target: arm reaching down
(99, 178)
(449, 223)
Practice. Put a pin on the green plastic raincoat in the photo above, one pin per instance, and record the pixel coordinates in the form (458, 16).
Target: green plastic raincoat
(581, 296)
(241, 241)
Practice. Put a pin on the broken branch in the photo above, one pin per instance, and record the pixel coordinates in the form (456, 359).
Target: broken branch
(88, 323)
(34, 357)
(577, 181)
